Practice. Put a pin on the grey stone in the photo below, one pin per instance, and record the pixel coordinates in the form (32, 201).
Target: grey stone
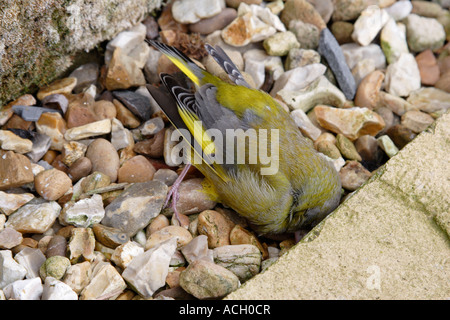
(31, 260)
(56, 101)
(138, 104)
(329, 48)
(133, 209)
(31, 113)
(41, 144)
(86, 75)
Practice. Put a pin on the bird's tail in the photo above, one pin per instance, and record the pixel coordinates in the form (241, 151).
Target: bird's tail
(183, 62)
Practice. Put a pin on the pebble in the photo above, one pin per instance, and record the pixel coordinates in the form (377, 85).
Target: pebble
(136, 169)
(258, 63)
(305, 125)
(104, 109)
(369, 24)
(353, 175)
(328, 148)
(416, 121)
(52, 184)
(80, 110)
(147, 272)
(348, 9)
(159, 222)
(9, 238)
(244, 260)
(125, 253)
(301, 10)
(53, 125)
(362, 69)
(352, 123)
(104, 158)
(152, 126)
(239, 235)
(443, 82)
(11, 270)
(92, 129)
(83, 213)
(428, 67)
(57, 246)
(387, 145)
(354, 53)
(301, 57)
(368, 90)
(72, 151)
(54, 267)
(86, 75)
(29, 289)
(342, 31)
(397, 104)
(388, 116)
(307, 34)
(429, 99)
(105, 284)
(10, 202)
(182, 236)
(31, 259)
(78, 276)
(424, 33)
(400, 135)
(96, 180)
(402, 76)
(63, 86)
(367, 148)
(319, 91)
(7, 111)
(57, 290)
(216, 227)
(393, 40)
(41, 144)
(123, 72)
(217, 22)
(134, 208)
(37, 216)
(399, 10)
(192, 11)
(330, 50)
(347, 148)
(197, 249)
(253, 24)
(10, 141)
(166, 176)
(207, 280)
(138, 104)
(15, 170)
(153, 147)
(81, 245)
(280, 43)
(191, 197)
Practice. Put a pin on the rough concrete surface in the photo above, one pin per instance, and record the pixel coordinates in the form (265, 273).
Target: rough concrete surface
(389, 240)
(39, 38)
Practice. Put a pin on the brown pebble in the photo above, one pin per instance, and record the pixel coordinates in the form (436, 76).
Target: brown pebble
(80, 168)
(104, 157)
(56, 247)
(52, 184)
(353, 175)
(400, 135)
(216, 227)
(428, 67)
(159, 222)
(153, 147)
(136, 169)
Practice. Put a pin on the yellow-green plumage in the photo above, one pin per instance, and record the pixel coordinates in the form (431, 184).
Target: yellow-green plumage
(306, 186)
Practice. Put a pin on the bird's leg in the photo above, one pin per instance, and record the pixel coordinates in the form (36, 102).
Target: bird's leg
(173, 193)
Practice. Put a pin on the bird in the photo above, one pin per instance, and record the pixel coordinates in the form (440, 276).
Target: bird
(304, 187)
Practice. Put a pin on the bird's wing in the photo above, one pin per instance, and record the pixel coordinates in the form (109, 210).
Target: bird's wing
(227, 65)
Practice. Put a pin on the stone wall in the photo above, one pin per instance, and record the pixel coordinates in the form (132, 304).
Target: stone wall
(39, 38)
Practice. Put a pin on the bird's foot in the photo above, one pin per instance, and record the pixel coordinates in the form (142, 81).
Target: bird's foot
(174, 195)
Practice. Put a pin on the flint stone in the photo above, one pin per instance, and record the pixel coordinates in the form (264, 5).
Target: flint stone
(134, 208)
(31, 113)
(31, 260)
(138, 104)
(329, 48)
(10, 270)
(147, 272)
